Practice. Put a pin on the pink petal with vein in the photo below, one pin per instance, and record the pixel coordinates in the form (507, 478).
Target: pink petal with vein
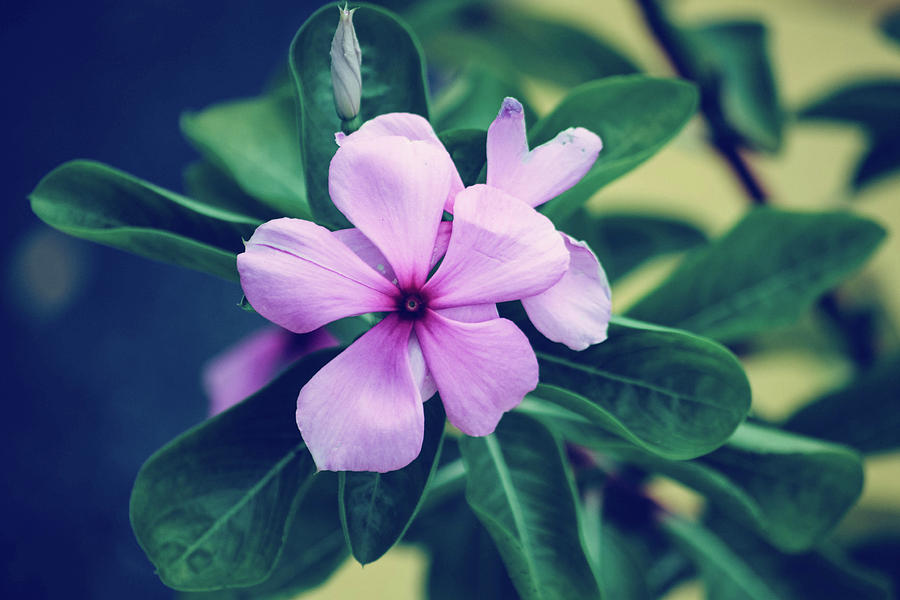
(481, 369)
(363, 411)
(546, 171)
(393, 190)
(298, 275)
(412, 127)
(500, 249)
(576, 310)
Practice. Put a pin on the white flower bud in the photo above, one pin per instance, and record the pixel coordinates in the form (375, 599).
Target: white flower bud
(346, 60)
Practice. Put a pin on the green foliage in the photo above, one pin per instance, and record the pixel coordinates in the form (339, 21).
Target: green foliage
(873, 105)
(467, 149)
(393, 80)
(313, 548)
(624, 242)
(672, 393)
(376, 508)
(212, 508)
(763, 273)
(519, 487)
(736, 61)
(472, 100)
(95, 202)
(513, 44)
(890, 25)
(863, 414)
(210, 185)
(792, 489)
(616, 109)
(255, 142)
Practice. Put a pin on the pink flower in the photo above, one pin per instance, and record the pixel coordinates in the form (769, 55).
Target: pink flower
(363, 410)
(576, 310)
(243, 369)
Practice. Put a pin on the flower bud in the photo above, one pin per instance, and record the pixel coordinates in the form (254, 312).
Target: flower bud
(346, 60)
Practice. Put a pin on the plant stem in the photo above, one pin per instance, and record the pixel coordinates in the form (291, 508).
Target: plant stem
(858, 340)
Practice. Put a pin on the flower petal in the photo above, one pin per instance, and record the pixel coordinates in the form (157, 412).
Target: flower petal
(474, 313)
(421, 376)
(408, 125)
(393, 190)
(481, 369)
(298, 275)
(243, 369)
(500, 249)
(545, 172)
(363, 411)
(363, 247)
(576, 310)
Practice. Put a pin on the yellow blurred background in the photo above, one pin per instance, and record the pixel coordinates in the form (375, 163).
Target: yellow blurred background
(815, 46)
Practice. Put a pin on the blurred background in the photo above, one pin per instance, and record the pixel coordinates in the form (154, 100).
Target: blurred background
(104, 349)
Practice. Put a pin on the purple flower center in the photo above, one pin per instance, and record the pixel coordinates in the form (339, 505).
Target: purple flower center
(411, 306)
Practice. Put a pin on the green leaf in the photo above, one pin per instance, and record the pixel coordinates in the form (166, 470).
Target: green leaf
(514, 44)
(519, 487)
(763, 273)
(881, 159)
(825, 573)
(313, 549)
(473, 100)
(210, 185)
(863, 414)
(467, 148)
(871, 103)
(393, 80)
(95, 202)
(791, 489)
(724, 572)
(890, 25)
(255, 141)
(376, 508)
(212, 507)
(672, 393)
(623, 242)
(736, 52)
(616, 109)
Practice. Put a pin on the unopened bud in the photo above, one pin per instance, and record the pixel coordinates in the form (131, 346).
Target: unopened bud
(346, 60)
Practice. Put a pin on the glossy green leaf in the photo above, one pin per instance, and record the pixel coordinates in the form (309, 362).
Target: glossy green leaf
(863, 414)
(212, 507)
(463, 560)
(724, 572)
(670, 392)
(791, 489)
(825, 573)
(519, 487)
(313, 549)
(736, 52)
(623, 242)
(513, 44)
(763, 273)
(467, 148)
(95, 202)
(873, 104)
(473, 99)
(255, 141)
(376, 508)
(616, 109)
(210, 185)
(393, 80)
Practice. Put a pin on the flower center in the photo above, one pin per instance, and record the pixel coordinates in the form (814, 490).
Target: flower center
(411, 306)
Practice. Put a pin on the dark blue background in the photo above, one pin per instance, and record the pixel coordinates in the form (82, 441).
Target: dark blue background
(94, 386)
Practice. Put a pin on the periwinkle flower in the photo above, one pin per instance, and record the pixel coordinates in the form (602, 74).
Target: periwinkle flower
(346, 65)
(363, 410)
(576, 310)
